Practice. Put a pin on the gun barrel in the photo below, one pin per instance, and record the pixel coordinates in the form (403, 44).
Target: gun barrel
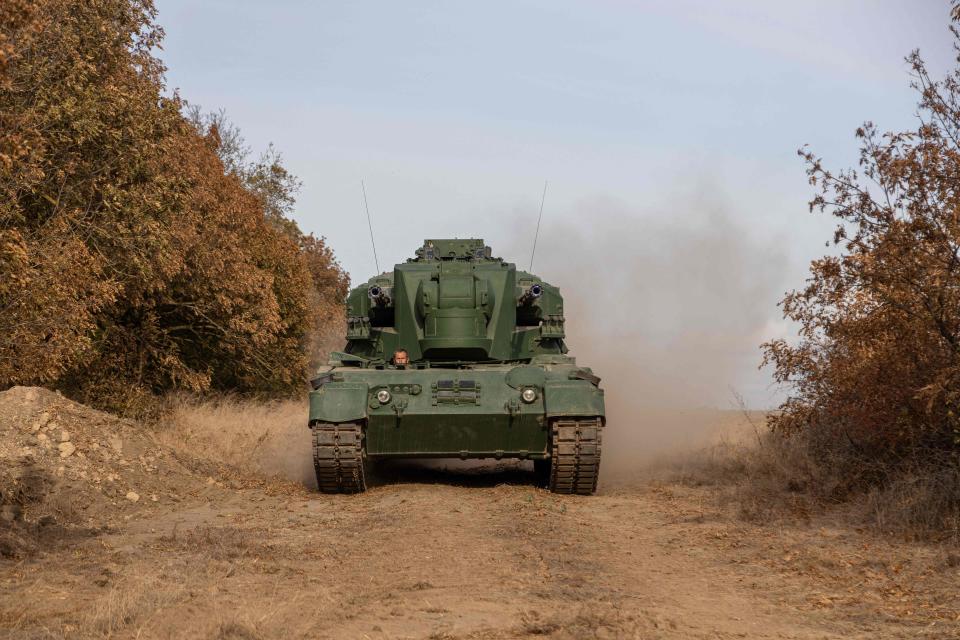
(379, 296)
(533, 292)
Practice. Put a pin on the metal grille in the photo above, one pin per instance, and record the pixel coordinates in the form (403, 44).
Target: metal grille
(456, 392)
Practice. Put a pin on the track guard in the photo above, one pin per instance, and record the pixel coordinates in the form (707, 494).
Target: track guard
(564, 398)
(336, 402)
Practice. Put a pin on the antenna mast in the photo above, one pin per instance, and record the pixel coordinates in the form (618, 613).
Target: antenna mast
(539, 218)
(366, 206)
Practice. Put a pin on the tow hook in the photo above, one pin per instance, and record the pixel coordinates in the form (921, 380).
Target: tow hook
(398, 407)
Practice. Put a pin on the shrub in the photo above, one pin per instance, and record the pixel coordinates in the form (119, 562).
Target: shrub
(874, 378)
(133, 259)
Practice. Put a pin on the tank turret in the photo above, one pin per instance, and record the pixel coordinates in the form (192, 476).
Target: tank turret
(454, 302)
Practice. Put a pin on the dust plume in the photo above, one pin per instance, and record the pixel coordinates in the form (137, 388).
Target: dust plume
(668, 306)
(266, 438)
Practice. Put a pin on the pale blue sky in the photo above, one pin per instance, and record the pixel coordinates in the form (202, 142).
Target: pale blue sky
(652, 120)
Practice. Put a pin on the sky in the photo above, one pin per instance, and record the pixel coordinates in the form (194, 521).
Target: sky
(667, 132)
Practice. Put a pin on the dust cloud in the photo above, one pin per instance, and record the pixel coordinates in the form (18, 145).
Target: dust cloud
(669, 308)
(267, 438)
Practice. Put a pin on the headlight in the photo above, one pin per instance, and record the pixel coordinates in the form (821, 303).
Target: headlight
(383, 396)
(529, 395)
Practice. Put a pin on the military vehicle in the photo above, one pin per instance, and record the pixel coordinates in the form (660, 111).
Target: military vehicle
(456, 354)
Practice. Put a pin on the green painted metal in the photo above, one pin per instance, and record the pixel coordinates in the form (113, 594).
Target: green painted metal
(339, 402)
(572, 398)
(488, 366)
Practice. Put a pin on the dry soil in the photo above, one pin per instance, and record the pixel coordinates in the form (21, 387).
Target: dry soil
(207, 552)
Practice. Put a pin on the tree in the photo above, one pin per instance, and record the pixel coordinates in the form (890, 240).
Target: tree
(134, 257)
(875, 375)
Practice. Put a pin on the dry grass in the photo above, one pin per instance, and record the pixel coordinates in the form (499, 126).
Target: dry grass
(221, 543)
(144, 596)
(131, 602)
(777, 478)
(766, 477)
(141, 601)
(266, 438)
(922, 502)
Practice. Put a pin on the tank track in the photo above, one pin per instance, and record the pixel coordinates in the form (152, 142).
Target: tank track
(575, 455)
(338, 453)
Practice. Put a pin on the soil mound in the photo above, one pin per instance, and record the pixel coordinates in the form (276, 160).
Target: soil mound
(67, 469)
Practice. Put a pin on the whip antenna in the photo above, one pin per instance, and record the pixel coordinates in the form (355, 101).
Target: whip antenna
(373, 244)
(539, 218)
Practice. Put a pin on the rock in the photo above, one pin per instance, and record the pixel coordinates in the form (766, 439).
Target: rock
(64, 436)
(11, 512)
(133, 496)
(66, 449)
(42, 437)
(154, 498)
(116, 444)
(43, 419)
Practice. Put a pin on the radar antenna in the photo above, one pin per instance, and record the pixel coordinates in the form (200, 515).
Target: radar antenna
(366, 206)
(539, 218)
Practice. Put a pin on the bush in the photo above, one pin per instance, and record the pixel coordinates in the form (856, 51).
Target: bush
(136, 255)
(875, 376)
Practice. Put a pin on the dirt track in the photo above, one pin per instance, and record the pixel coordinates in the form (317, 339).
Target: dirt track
(447, 555)
(134, 533)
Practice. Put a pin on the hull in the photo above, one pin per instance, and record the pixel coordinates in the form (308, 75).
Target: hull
(475, 412)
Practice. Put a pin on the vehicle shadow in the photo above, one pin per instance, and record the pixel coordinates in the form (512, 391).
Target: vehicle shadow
(461, 473)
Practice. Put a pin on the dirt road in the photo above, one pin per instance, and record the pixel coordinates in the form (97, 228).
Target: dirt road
(454, 555)
(113, 529)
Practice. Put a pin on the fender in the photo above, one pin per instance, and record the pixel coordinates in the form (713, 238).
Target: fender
(339, 402)
(572, 398)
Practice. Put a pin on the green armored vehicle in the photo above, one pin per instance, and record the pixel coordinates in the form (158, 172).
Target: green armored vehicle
(456, 354)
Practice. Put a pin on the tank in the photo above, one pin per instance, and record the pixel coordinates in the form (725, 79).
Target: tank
(456, 354)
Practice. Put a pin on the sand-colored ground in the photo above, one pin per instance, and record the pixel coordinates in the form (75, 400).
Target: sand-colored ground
(435, 553)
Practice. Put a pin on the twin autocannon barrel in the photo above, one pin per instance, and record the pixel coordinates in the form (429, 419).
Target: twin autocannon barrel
(533, 292)
(379, 296)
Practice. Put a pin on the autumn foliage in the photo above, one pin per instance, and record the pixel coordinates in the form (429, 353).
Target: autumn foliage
(139, 254)
(875, 375)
